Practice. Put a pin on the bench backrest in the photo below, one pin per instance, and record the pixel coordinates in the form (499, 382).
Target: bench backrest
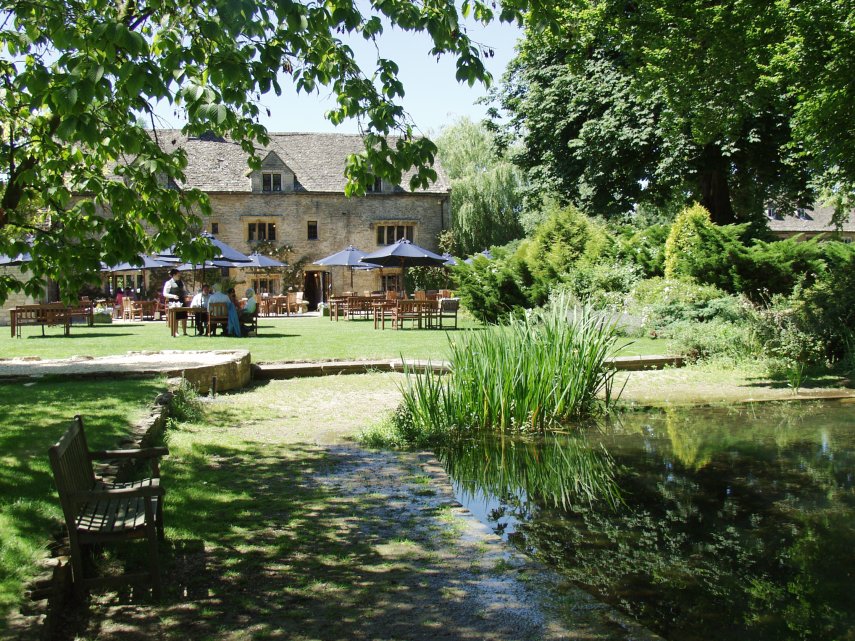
(72, 467)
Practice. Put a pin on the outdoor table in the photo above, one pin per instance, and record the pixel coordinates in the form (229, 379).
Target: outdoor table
(172, 322)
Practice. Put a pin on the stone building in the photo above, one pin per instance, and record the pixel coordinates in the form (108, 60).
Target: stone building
(297, 199)
(809, 223)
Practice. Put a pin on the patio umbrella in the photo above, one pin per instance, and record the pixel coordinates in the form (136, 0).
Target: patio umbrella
(141, 263)
(224, 252)
(486, 254)
(404, 254)
(349, 257)
(258, 261)
(226, 256)
(450, 261)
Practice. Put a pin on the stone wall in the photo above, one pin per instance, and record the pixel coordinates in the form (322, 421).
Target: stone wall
(15, 298)
(340, 221)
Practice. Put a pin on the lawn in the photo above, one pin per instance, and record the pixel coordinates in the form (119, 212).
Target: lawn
(279, 339)
(34, 415)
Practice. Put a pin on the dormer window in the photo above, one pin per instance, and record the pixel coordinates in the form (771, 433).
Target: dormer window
(271, 182)
(376, 187)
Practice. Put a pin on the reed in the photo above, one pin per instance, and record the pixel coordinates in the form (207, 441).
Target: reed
(556, 469)
(539, 370)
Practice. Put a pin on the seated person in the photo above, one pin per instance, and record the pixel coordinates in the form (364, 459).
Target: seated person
(200, 301)
(248, 311)
(217, 296)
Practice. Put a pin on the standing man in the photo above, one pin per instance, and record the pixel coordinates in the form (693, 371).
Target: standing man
(173, 294)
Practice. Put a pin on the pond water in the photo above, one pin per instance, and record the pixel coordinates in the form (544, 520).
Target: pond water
(731, 523)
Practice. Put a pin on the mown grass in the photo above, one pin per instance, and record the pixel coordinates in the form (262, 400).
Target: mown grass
(279, 339)
(34, 415)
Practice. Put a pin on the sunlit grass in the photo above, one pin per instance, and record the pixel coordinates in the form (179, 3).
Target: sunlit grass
(34, 415)
(279, 339)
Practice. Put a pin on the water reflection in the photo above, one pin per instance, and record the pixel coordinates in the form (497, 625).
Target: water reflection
(734, 523)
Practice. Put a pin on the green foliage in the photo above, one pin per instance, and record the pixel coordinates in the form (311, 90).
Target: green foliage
(696, 248)
(80, 79)
(538, 370)
(601, 285)
(491, 289)
(486, 195)
(645, 248)
(565, 238)
(643, 103)
(714, 338)
(186, 406)
(827, 308)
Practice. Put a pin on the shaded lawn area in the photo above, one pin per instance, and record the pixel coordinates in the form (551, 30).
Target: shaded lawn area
(259, 545)
(33, 416)
(279, 339)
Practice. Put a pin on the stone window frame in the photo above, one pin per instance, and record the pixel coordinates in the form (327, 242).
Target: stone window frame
(394, 229)
(254, 227)
(312, 231)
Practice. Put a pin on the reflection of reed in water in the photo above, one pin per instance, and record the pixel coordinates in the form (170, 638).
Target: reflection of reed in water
(557, 469)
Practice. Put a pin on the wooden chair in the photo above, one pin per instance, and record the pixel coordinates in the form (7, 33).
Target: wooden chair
(127, 308)
(97, 512)
(420, 294)
(448, 308)
(218, 314)
(410, 310)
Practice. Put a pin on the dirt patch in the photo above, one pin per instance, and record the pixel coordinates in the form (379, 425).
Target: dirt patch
(708, 386)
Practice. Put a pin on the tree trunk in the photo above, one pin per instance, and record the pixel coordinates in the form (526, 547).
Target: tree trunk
(712, 181)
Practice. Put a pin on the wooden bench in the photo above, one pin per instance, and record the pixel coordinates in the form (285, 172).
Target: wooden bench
(97, 511)
(45, 315)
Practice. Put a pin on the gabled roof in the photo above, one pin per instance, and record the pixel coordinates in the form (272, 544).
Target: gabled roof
(317, 160)
(817, 220)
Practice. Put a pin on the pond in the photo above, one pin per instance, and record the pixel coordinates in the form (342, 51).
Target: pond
(732, 522)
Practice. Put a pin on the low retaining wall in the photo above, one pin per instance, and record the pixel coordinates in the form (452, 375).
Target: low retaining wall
(231, 368)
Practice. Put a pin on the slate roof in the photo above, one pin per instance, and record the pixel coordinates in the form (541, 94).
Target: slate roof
(811, 221)
(317, 160)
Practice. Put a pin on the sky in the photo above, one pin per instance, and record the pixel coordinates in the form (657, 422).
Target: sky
(433, 97)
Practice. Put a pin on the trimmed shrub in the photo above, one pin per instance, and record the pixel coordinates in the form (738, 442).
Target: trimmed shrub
(490, 289)
(711, 254)
(564, 239)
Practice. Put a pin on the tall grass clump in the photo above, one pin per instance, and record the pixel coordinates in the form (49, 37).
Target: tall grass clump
(539, 369)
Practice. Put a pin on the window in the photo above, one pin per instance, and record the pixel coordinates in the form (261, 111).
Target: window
(389, 234)
(376, 187)
(215, 228)
(271, 182)
(261, 231)
(264, 285)
(312, 231)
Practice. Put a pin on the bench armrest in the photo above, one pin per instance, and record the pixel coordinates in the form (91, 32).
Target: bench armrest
(119, 493)
(146, 452)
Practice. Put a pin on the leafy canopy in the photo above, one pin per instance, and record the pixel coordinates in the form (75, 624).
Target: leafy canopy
(735, 104)
(79, 82)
